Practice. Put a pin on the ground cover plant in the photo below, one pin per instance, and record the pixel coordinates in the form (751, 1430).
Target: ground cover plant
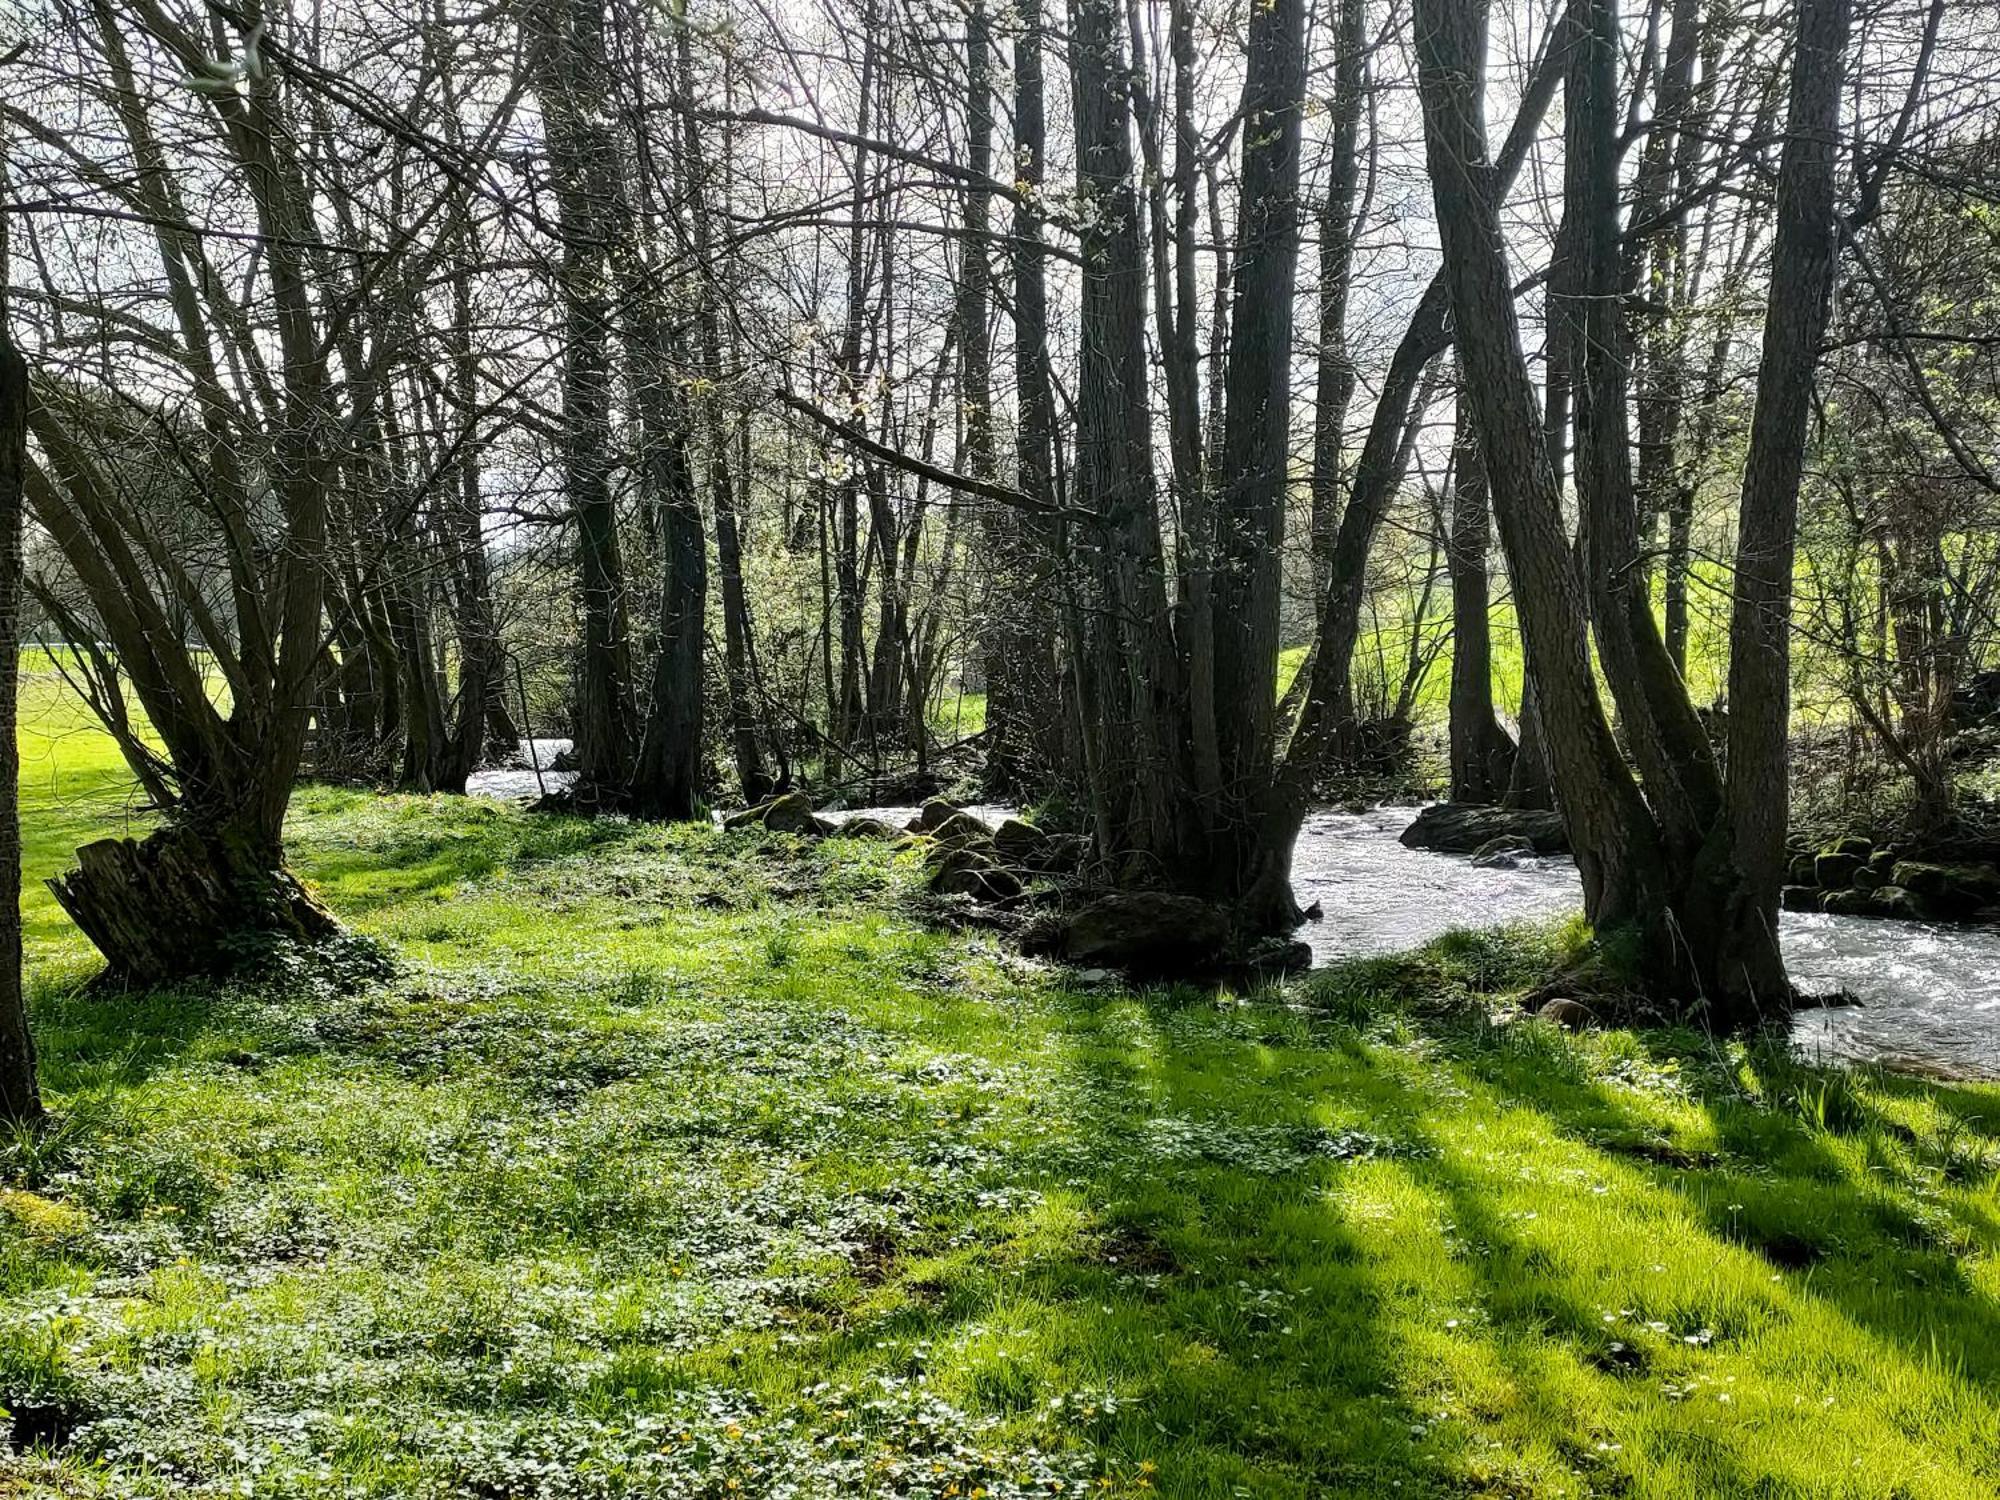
(673, 1162)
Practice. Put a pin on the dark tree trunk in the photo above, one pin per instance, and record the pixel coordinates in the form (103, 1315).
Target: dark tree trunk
(667, 779)
(571, 76)
(738, 637)
(1128, 668)
(1337, 233)
(1610, 827)
(482, 717)
(1326, 717)
(1695, 879)
(20, 1095)
(1750, 840)
(1530, 787)
(1045, 722)
(1217, 824)
(186, 898)
(1253, 823)
(1482, 756)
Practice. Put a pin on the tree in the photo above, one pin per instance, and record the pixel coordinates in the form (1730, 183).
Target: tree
(179, 900)
(1674, 856)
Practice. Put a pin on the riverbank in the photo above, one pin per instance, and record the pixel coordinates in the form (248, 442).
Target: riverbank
(676, 1162)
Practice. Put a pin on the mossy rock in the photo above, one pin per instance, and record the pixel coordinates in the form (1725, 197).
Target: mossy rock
(962, 830)
(1835, 871)
(1868, 878)
(1799, 898)
(1854, 845)
(934, 814)
(1803, 871)
(791, 813)
(969, 872)
(1889, 901)
(1019, 840)
(866, 828)
(1147, 932)
(1894, 901)
(1949, 890)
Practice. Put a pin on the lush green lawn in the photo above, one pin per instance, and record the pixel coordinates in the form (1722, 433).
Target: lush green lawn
(680, 1164)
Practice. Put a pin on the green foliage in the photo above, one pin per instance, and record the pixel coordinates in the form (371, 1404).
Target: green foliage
(674, 1163)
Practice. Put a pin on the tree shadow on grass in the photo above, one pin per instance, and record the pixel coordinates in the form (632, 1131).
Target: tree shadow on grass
(1232, 1307)
(1765, 1177)
(1778, 1185)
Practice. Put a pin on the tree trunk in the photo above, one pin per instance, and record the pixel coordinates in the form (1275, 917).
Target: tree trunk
(186, 900)
(20, 1095)
(583, 158)
(1803, 258)
(482, 716)
(1044, 712)
(1337, 233)
(1328, 712)
(1616, 847)
(667, 779)
(1249, 820)
(1482, 756)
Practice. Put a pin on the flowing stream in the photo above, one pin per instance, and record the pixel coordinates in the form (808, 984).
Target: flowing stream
(1930, 995)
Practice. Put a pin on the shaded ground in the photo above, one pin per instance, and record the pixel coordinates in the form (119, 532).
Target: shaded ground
(680, 1163)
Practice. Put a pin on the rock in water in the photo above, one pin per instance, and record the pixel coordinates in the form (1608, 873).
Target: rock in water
(1503, 853)
(1463, 828)
(1956, 891)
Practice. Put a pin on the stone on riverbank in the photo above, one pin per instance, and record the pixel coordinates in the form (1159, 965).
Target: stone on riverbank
(866, 828)
(791, 813)
(1951, 890)
(1146, 932)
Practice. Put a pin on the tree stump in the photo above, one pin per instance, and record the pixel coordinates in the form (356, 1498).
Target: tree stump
(181, 901)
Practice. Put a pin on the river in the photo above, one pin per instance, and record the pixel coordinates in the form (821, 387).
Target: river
(1930, 996)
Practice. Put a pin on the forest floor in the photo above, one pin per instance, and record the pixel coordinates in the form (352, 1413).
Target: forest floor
(674, 1163)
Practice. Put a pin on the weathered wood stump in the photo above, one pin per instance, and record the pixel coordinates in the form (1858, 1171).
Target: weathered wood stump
(168, 906)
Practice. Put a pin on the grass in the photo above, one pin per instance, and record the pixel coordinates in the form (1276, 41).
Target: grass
(680, 1164)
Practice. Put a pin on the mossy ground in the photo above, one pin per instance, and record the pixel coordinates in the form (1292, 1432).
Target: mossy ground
(685, 1164)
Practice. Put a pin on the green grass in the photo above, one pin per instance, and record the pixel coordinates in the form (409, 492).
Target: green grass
(682, 1164)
